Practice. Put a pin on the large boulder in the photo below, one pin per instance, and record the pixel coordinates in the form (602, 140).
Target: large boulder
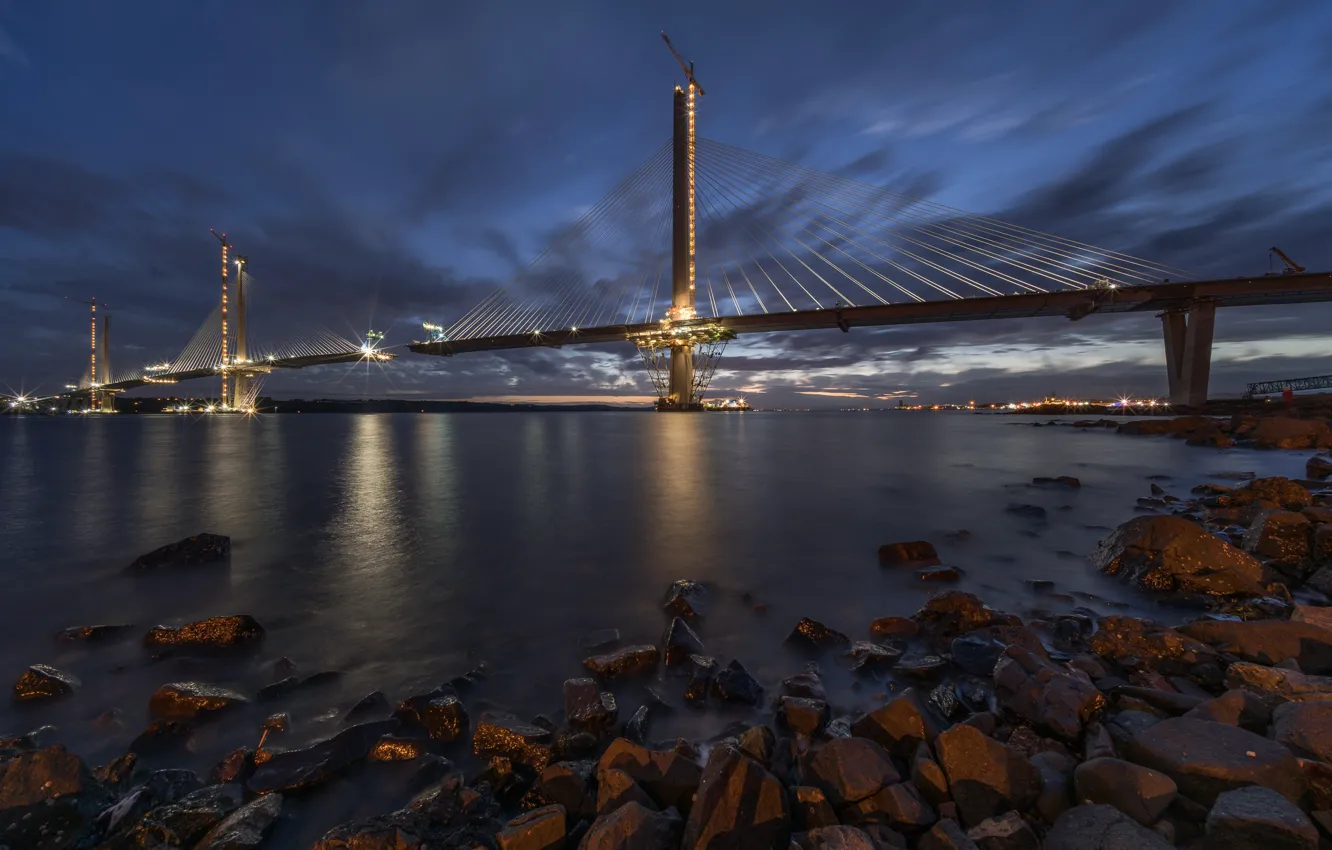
(849, 770)
(1277, 683)
(739, 805)
(44, 682)
(235, 631)
(1284, 432)
(1168, 553)
(1139, 792)
(1096, 827)
(244, 828)
(1305, 728)
(1284, 536)
(1153, 646)
(670, 777)
(628, 661)
(1268, 641)
(1207, 759)
(191, 701)
(45, 792)
(1258, 817)
(1057, 699)
(634, 827)
(900, 805)
(1277, 490)
(200, 549)
(986, 778)
(687, 599)
(502, 734)
(679, 642)
(735, 684)
(540, 829)
(182, 823)
(900, 725)
(951, 613)
(296, 770)
(1239, 708)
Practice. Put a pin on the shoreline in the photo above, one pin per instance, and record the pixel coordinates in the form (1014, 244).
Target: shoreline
(1035, 702)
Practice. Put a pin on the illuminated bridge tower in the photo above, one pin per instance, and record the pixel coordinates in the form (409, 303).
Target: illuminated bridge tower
(682, 355)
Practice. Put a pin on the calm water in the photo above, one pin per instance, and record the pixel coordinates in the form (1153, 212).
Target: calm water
(403, 549)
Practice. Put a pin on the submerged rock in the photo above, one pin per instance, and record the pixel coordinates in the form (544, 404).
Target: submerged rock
(1167, 553)
(629, 661)
(1060, 481)
(93, 634)
(679, 643)
(244, 828)
(191, 701)
(916, 553)
(44, 682)
(687, 599)
(200, 549)
(295, 770)
(237, 631)
(815, 635)
(501, 734)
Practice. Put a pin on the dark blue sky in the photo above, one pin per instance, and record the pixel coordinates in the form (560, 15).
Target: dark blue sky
(388, 162)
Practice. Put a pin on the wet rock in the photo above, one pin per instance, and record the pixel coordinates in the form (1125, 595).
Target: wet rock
(1284, 432)
(1305, 728)
(540, 829)
(236, 766)
(810, 808)
(915, 553)
(944, 700)
(117, 773)
(296, 770)
(160, 788)
(739, 805)
(1321, 550)
(835, 837)
(199, 549)
(1235, 708)
(1278, 490)
(1056, 773)
(622, 663)
(501, 734)
(1139, 792)
(1093, 827)
(1167, 553)
(679, 643)
(569, 784)
(278, 689)
(244, 828)
(807, 685)
(1268, 642)
(1275, 683)
(162, 735)
(687, 599)
(702, 669)
(1154, 647)
(951, 613)
(977, 653)
(670, 777)
(633, 827)
(600, 639)
(921, 666)
(615, 788)
(1056, 699)
(1283, 535)
(1207, 759)
(869, 657)
(1060, 481)
(277, 722)
(44, 682)
(759, 743)
(812, 634)
(803, 716)
(946, 835)
(900, 806)
(903, 627)
(191, 701)
(849, 770)
(1318, 468)
(586, 706)
(899, 726)
(1007, 832)
(397, 748)
(45, 792)
(237, 631)
(1026, 511)
(1258, 817)
(928, 776)
(939, 574)
(184, 822)
(372, 705)
(93, 634)
(734, 684)
(986, 777)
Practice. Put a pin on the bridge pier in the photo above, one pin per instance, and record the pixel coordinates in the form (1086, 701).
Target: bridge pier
(1188, 350)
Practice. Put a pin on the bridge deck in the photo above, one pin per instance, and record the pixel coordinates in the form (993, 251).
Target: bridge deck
(277, 363)
(1235, 292)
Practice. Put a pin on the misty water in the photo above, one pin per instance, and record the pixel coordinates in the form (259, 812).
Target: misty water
(402, 550)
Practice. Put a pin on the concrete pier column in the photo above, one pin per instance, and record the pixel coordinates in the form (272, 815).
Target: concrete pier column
(1188, 346)
(1173, 325)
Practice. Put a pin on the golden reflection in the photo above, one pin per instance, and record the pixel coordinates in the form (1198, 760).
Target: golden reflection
(437, 498)
(678, 490)
(158, 494)
(370, 536)
(97, 492)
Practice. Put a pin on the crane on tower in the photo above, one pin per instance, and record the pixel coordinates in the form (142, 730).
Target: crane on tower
(1292, 267)
(687, 67)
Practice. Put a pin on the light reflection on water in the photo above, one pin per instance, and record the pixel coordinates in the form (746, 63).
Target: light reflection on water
(404, 549)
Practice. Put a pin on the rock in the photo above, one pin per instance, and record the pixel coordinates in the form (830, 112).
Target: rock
(670, 777)
(987, 778)
(93, 634)
(921, 666)
(44, 682)
(1286, 536)
(1268, 642)
(1139, 792)
(397, 748)
(162, 735)
(868, 657)
(1235, 708)
(687, 599)
(1009, 832)
(1101, 828)
(815, 635)
(836, 837)
(1305, 728)
(1279, 491)
(734, 684)
(501, 734)
(739, 805)
(899, 726)
(1167, 553)
(540, 829)
(1278, 684)
(1318, 616)
(238, 631)
(976, 653)
(278, 689)
(940, 574)
(1054, 698)
(569, 784)
(916, 553)
(951, 613)
(244, 828)
(160, 788)
(679, 643)
(1162, 699)
(629, 661)
(1207, 759)
(586, 706)
(1026, 511)
(946, 835)
(928, 776)
(633, 827)
(1321, 548)
(191, 701)
(615, 788)
(372, 705)
(295, 770)
(759, 743)
(1284, 432)
(803, 716)
(810, 808)
(900, 806)
(184, 822)
(199, 549)
(702, 668)
(903, 627)
(1153, 646)
(849, 770)
(1056, 773)
(1060, 481)
(236, 766)
(1258, 817)
(44, 792)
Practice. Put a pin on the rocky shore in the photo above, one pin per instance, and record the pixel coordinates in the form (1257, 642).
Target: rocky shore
(1074, 731)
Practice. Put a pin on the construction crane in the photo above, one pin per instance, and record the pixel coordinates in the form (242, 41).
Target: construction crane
(687, 67)
(1291, 266)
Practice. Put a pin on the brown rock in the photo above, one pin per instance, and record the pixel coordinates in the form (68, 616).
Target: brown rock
(44, 682)
(633, 827)
(986, 777)
(629, 661)
(191, 701)
(688, 599)
(1283, 432)
(670, 777)
(1268, 641)
(928, 776)
(1283, 535)
(739, 805)
(900, 806)
(1305, 728)
(1095, 827)
(1277, 490)
(900, 726)
(1139, 792)
(1008, 832)
(916, 553)
(894, 627)
(615, 788)
(815, 635)
(501, 734)
(810, 808)
(1057, 699)
(1258, 817)
(849, 770)
(1207, 759)
(1167, 553)
(1155, 646)
(946, 835)
(1235, 708)
(1276, 683)
(237, 631)
(951, 613)
(540, 829)
(586, 706)
(569, 784)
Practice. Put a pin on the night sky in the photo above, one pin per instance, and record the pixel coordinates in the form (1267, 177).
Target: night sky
(387, 163)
